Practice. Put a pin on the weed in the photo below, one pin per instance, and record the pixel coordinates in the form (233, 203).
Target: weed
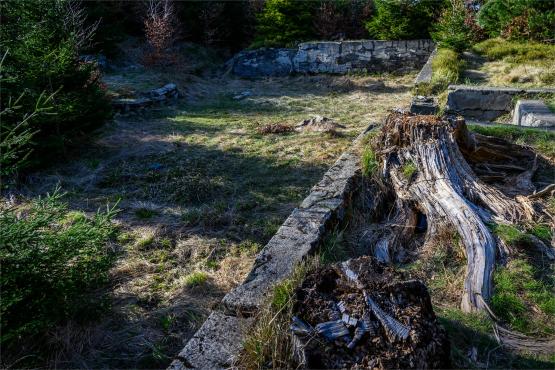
(196, 279)
(446, 68)
(408, 170)
(369, 162)
(145, 241)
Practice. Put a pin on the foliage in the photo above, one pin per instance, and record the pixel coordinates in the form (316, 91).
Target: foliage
(43, 39)
(518, 19)
(456, 28)
(51, 258)
(284, 22)
(403, 19)
(516, 288)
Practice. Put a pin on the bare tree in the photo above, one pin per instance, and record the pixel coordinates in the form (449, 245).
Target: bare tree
(75, 22)
(160, 28)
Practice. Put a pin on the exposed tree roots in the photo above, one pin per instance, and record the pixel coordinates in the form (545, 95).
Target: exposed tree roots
(459, 181)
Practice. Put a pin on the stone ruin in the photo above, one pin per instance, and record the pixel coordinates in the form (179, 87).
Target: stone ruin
(362, 314)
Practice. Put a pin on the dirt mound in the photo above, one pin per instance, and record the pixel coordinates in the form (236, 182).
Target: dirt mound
(361, 314)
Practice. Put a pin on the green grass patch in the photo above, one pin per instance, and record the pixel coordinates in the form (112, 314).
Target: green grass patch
(541, 140)
(510, 234)
(515, 51)
(369, 162)
(516, 291)
(197, 278)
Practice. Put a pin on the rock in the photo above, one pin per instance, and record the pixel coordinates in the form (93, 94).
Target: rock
(533, 113)
(164, 94)
(318, 124)
(375, 86)
(424, 105)
(215, 345)
(386, 321)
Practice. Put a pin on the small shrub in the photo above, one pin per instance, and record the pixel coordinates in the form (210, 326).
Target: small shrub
(51, 258)
(515, 51)
(160, 30)
(44, 39)
(456, 28)
(145, 213)
(403, 19)
(196, 279)
(275, 128)
(369, 162)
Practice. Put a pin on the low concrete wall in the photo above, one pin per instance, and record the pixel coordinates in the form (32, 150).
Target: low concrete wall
(217, 343)
(485, 102)
(333, 57)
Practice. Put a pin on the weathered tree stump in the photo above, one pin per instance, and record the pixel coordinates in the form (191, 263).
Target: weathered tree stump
(431, 164)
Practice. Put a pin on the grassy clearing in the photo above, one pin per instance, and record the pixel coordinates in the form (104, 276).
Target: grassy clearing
(446, 68)
(202, 190)
(542, 141)
(517, 63)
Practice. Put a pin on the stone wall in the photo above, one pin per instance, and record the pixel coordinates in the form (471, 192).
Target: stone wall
(340, 57)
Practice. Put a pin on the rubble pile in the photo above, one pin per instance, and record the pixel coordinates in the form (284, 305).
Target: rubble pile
(361, 314)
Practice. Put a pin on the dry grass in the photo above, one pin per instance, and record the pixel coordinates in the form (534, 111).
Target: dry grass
(201, 190)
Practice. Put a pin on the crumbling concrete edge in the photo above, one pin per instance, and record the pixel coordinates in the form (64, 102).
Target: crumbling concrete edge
(219, 340)
(425, 74)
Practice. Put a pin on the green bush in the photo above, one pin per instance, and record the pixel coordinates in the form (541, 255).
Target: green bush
(456, 28)
(403, 19)
(42, 42)
(51, 258)
(520, 19)
(284, 22)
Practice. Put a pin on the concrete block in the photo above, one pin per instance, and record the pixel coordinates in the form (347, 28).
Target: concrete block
(533, 113)
(215, 345)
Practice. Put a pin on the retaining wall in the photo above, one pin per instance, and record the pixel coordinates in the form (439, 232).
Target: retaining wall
(339, 57)
(219, 340)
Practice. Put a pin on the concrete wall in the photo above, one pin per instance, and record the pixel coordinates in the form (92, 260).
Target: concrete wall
(486, 103)
(340, 57)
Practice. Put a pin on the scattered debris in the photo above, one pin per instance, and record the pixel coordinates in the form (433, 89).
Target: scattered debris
(375, 86)
(362, 314)
(319, 124)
